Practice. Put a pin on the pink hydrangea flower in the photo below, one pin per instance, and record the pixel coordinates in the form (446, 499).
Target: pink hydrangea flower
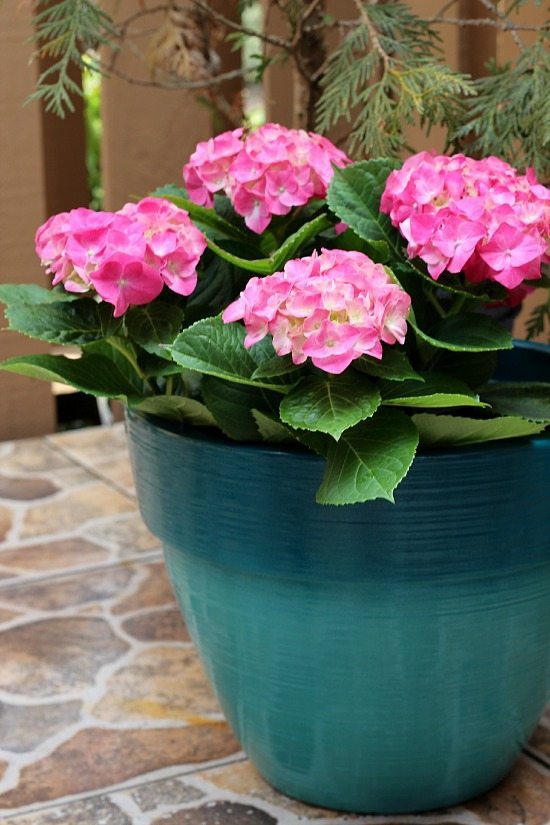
(331, 307)
(267, 172)
(126, 256)
(476, 216)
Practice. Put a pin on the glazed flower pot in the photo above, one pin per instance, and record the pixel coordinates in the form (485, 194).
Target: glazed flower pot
(372, 658)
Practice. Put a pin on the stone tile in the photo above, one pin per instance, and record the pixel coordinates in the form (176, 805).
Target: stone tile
(540, 741)
(119, 472)
(97, 811)
(243, 778)
(219, 813)
(23, 728)
(91, 445)
(155, 591)
(69, 477)
(5, 522)
(71, 591)
(24, 489)
(54, 555)
(96, 500)
(95, 758)
(7, 615)
(164, 625)
(164, 792)
(129, 535)
(523, 797)
(162, 683)
(31, 455)
(54, 656)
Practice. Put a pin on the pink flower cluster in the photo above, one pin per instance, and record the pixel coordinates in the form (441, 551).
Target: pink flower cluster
(332, 307)
(264, 173)
(126, 256)
(476, 216)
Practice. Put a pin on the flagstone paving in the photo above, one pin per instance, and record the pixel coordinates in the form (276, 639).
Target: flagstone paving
(106, 717)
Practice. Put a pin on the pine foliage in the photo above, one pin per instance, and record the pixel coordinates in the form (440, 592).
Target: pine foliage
(65, 31)
(384, 75)
(510, 116)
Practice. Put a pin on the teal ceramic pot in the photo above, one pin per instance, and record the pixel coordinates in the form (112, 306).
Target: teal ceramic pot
(372, 658)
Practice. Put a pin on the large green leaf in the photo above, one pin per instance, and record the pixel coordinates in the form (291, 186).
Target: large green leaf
(177, 408)
(275, 367)
(394, 366)
(370, 460)
(33, 294)
(329, 405)
(530, 400)
(214, 348)
(217, 285)
(117, 350)
(64, 322)
(231, 406)
(354, 195)
(436, 391)
(271, 429)
(94, 374)
(452, 431)
(474, 368)
(153, 325)
(467, 332)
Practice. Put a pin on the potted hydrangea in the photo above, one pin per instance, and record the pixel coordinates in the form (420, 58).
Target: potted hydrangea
(293, 331)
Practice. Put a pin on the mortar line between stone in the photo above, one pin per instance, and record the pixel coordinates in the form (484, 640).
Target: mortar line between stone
(152, 555)
(91, 469)
(172, 772)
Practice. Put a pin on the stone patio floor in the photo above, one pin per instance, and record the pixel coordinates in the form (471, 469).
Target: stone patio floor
(105, 714)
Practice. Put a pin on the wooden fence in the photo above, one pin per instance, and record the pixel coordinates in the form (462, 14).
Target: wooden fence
(147, 134)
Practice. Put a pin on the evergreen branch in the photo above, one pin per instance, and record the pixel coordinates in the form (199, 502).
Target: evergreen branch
(64, 31)
(387, 73)
(511, 114)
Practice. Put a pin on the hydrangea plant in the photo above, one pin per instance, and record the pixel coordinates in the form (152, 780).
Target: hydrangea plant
(288, 295)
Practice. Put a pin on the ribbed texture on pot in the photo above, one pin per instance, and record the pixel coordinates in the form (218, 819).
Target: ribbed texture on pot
(377, 657)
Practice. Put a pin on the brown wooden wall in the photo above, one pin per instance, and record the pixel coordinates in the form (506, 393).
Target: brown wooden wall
(148, 133)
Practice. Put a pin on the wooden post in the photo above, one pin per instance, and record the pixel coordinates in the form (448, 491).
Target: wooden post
(26, 406)
(148, 133)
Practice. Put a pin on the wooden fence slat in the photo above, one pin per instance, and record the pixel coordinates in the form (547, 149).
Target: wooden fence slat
(26, 407)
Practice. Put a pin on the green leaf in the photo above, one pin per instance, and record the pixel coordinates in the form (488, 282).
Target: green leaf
(531, 400)
(378, 251)
(270, 428)
(370, 460)
(177, 408)
(467, 332)
(66, 322)
(329, 405)
(231, 405)
(120, 361)
(214, 348)
(436, 391)
(394, 366)
(217, 285)
(276, 366)
(153, 325)
(266, 266)
(32, 294)
(474, 368)
(91, 373)
(207, 219)
(354, 195)
(454, 431)
(293, 243)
